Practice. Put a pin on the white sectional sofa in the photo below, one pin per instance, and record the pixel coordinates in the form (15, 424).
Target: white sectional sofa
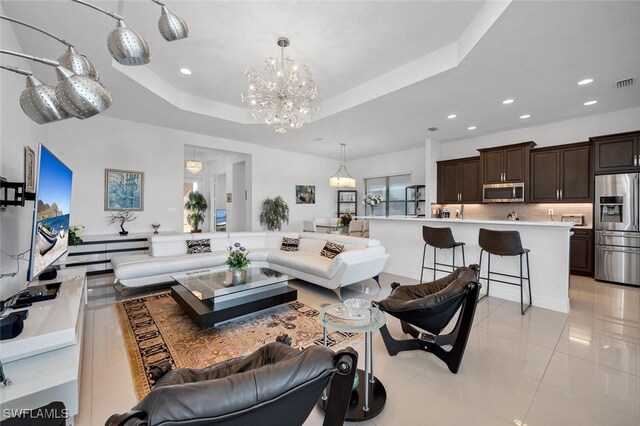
(362, 258)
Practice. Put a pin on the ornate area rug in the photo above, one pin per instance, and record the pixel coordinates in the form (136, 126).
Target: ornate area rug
(156, 329)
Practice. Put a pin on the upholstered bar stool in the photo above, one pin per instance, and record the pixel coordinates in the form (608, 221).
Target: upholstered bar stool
(504, 243)
(439, 238)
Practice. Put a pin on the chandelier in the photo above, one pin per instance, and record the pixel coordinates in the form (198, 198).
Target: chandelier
(194, 166)
(342, 178)
(284, 100)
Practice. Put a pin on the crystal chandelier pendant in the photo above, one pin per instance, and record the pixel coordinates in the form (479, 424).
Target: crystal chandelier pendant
(285, 100)
(194, 166)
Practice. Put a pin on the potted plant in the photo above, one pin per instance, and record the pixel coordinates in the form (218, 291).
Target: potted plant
(275, 212)
(122, 217)
(237, 261)
(372, 200)
(75, 235)
(197, 205)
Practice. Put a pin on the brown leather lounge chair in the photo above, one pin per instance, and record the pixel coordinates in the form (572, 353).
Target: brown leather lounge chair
(430, 307)
(276, 385)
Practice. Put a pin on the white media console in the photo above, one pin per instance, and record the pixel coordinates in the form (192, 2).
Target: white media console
(44, 362)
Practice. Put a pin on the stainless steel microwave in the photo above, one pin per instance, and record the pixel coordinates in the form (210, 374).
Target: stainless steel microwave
(503, 193)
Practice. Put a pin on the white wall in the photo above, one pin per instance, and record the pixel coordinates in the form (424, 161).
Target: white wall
(562, 132)
(16, 131)
(90, 146)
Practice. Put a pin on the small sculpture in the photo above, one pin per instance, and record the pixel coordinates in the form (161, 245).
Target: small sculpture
(513, 216)
(122, 216)
(155, 227)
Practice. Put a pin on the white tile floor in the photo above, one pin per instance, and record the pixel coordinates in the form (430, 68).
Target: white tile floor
(544, 368)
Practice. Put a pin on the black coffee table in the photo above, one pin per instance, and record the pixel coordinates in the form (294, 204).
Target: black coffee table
(212, 296)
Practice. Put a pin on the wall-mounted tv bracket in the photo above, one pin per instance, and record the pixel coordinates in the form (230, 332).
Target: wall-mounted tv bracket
(14, 194)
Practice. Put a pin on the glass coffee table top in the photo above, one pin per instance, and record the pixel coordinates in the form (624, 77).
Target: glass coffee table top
(340, 318)
(211, 283)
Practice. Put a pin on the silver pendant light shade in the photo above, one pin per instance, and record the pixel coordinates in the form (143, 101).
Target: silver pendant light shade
(39, 102)
(127, 46)
(80, 95)
(78, 63)
(171, 26)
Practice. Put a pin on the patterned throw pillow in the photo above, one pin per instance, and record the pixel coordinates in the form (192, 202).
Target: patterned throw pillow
(331, 250)
(198, 246)
(290, 244)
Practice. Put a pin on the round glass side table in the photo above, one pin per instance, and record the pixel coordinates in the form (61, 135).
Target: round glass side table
(369, 397)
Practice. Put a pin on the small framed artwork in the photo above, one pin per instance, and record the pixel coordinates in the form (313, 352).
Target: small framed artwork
(123, 190)
(305, 194)
(29, 170)
(229, 197)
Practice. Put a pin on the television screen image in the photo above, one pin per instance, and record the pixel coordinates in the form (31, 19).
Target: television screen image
(51, 216)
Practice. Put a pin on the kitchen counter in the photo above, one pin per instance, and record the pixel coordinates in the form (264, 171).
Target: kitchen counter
(548, 242)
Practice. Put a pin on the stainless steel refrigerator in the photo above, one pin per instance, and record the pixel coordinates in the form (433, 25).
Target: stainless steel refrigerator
(617, 228)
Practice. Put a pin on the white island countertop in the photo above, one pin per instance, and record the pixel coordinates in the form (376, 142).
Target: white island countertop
(549, 243)
(472, 221)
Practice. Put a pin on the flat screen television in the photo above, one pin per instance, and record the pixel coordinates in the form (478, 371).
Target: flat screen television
(50, 235)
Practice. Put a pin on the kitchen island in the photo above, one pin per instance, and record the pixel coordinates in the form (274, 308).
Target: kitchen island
(548, 242)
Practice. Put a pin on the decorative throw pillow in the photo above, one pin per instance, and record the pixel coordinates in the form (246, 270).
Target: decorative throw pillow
(198, 246)
(331, 250)
(290, 244)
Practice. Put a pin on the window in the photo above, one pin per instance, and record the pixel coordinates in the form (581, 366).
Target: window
(391, 189)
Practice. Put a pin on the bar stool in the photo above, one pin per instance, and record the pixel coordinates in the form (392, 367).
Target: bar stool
(439, 238)
(504, 243)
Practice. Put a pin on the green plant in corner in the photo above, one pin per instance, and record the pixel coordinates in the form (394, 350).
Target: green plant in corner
(75, 235)
(275, 212)
(197, 205)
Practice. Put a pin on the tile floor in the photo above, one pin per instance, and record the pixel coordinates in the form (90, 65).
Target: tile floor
(544, 368)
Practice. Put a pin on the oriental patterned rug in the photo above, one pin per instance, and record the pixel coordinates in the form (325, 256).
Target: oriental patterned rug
(156, 330)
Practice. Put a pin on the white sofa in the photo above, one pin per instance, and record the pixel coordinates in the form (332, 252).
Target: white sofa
(362, 258)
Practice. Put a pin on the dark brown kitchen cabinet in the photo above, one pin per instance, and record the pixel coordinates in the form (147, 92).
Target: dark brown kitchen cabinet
(581, 257)
(459, 181)
(561, 174)
(508, 163)
(617, 153)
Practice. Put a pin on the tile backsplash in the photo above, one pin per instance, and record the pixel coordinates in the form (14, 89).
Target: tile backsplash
(528, 212)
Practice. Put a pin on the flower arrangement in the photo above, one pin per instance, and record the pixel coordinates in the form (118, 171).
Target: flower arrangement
(238, 257)
(75, 235)
(372, 199)
(346, 218)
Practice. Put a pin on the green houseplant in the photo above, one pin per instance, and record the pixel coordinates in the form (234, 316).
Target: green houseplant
(197, 205)
(275, 212)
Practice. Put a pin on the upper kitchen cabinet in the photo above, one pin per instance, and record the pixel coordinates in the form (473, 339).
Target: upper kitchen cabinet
(561, 174)
(459, 181)
(617, 153)
(508, 163)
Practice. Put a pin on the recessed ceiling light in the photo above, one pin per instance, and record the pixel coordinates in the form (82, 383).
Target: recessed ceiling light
(590, 103)
(185, 71)
(585, 81)
(525, 116)
(451, 116)
(471, 128)
(507, 101)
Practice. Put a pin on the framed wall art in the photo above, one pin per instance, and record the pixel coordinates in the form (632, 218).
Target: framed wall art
(29, 170)
(305, 194)
(123, 190)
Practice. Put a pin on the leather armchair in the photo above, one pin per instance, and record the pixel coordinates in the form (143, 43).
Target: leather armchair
(430, 307)
(273, 386)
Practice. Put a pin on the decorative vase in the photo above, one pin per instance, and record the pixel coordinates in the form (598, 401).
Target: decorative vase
(237, 276)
